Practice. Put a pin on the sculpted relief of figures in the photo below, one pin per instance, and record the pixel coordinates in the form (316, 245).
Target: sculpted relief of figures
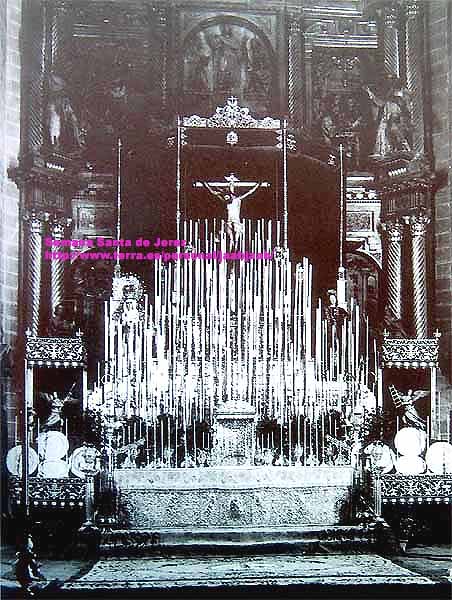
(340, 106)
(227, 59)
(353, 105)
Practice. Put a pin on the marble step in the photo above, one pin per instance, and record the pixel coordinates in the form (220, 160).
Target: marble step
(229, 539)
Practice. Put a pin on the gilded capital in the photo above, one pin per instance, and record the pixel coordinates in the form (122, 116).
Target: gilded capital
(394, 231)
(412, 9)
(419, 224)
(36, 221)
(58, 227)
(294, 26)
(390, 15)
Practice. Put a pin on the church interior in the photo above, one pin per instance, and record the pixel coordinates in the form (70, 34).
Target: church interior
(226, 286)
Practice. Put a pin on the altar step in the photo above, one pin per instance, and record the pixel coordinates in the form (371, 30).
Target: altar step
(228, 540)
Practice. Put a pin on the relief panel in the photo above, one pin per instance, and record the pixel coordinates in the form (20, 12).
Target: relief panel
(227, 58)
(341, 107)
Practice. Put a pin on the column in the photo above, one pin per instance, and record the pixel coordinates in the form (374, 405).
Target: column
(308, 82)
(418, 230)
(294, 76)
(57, 231)
(414, 36)
(391, 39)
(33, 273)
(394, 236)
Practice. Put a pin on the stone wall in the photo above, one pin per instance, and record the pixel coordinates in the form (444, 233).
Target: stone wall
(10, 23)
(439, 16)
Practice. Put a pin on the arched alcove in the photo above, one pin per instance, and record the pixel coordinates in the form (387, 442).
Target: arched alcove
(225, 56)
(364, 283)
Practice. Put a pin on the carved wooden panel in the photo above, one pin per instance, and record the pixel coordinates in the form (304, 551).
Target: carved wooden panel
(55, 352)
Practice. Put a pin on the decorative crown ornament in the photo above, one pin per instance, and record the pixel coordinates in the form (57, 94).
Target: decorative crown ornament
(232, 116)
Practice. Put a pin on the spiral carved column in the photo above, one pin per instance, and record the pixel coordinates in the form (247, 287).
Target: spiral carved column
(414, 70)
(56, 268)
(295, 85)
(391, 39)
(418, 230)
(34, 272)
(394, 237)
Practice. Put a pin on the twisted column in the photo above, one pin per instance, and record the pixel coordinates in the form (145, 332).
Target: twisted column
(414, 55)
(34, 271)
(294, 78)
(391, 39)
(394, 237)
(418, 231)
(57, 229)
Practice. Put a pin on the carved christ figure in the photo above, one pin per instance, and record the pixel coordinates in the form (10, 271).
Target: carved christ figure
(226, 191)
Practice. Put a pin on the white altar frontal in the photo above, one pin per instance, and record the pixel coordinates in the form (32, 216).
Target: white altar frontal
(233, 497)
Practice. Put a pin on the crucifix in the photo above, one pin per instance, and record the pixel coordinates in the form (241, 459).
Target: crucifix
(229, 192)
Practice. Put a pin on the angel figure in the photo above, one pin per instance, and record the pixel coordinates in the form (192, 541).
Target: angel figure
(406, 402)
(56, 406)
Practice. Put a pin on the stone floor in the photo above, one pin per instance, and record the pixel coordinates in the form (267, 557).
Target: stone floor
(424, 572)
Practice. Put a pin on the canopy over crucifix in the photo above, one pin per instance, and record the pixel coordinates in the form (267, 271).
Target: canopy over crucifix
(229, 192)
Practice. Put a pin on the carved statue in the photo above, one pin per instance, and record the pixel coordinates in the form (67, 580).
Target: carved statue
(27, 569)
(131, 452)
(199, 68)
(56, 406)
(59, 326)
(406, 403)
(379, 458)
(327, 130)
(257, 72)
(394, 120)
(202, 458)
(226, 54)
(227, 193)
(63, 125)
(268, 457)
(89, 460)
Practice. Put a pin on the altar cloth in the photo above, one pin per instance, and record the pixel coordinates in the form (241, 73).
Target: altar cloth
(233, 496)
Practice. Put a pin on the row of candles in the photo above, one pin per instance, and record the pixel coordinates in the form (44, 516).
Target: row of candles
(212, 331)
